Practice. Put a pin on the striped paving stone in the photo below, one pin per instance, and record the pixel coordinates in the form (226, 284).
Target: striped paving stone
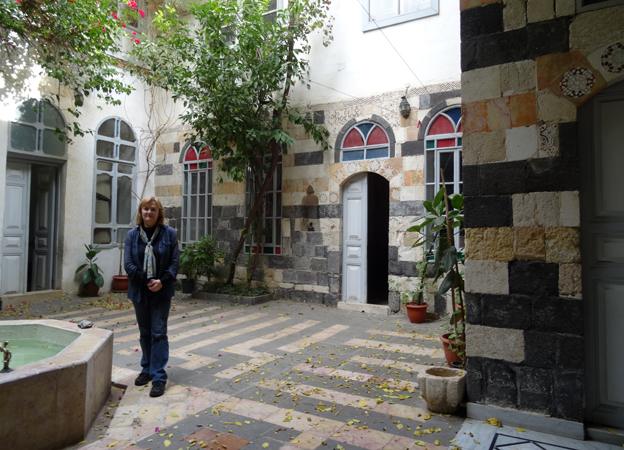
(345, 399)
(232, 334)
(72, 314)
(411, 349)
(391, 364)
(313, 339)
(391, 383)
(259, 359)
(202, 330)
(323, 427)
(195, 361)
(404, 334)
(312, 347)
(175, 326)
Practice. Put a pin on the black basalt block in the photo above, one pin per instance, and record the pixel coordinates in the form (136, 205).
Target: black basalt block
(537, 279)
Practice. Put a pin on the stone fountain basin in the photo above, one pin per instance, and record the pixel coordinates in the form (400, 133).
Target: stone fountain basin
(51, 403)
(442, 388)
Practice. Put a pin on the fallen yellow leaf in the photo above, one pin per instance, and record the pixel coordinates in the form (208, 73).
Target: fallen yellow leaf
(494, 422)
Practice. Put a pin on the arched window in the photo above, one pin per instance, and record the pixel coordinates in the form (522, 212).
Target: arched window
(196, 192)
(115, 173)
(39, 128)
(443, 142)
(365, 140)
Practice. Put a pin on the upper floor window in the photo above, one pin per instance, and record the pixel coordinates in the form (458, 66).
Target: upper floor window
(39, 128)
(365, 140)
(384, 13)
(115, 173)
(443, 143)
(196, 192)
(272, 8)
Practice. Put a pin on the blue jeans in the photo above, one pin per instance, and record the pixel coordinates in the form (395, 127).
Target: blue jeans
(152, 314)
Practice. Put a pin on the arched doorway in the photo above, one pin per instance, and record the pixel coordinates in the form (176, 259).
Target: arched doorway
(602, 232)
(365, 200)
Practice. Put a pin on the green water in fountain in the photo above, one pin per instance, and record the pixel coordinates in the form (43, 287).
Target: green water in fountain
(33, 342)
(26, 351)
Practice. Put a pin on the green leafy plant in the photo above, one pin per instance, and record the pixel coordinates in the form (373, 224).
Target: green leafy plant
(417, 296)
(443, 216)
(90, 272)
(74, 42)
(199, 258)
(233, 71)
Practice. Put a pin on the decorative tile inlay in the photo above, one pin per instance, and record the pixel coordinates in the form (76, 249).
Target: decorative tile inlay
(548, 140)
(613, 58)
(505, 442)
(577, 82)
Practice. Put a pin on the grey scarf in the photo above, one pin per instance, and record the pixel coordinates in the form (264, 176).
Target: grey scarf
(149, 260)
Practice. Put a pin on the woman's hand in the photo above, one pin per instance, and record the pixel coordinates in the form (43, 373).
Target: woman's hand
(154, 285)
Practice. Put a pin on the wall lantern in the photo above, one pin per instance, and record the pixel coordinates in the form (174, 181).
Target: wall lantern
(404, 107)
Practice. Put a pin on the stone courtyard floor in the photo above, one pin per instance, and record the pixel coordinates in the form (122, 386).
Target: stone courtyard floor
(279, 375)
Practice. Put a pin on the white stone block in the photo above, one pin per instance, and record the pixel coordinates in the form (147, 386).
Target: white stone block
(570, 214)
(547, 208)
(413, 162)
(539, 10)
(409, 193)
(521, 143)
(518, 77)
(495, 343)
(486, 277)
(514, 14)
(552, 108)
(481, 84)
(536, 209)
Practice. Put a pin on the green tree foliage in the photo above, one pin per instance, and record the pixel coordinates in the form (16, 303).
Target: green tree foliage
(234, 69)
(72, 41)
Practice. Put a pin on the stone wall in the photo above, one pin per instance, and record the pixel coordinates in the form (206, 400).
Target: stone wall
(527, 66)
(309, 268)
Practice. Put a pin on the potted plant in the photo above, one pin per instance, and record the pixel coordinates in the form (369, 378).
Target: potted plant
(443, 217)
(90, 274)
(188, 268)
(415, 305)
(198, 259)
(120, 281)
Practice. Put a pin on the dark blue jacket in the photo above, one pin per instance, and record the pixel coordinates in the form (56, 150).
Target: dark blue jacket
(167, 255)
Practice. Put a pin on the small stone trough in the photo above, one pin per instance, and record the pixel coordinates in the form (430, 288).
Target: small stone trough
(442, 388)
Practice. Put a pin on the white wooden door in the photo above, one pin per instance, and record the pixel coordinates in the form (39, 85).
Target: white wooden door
(602, 140)
(15, 229)
(42, 227)
(355, 240)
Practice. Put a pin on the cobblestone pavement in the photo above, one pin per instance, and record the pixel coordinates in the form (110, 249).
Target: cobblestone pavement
(280, 375)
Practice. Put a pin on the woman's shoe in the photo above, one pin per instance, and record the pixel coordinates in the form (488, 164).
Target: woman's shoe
(158, 389)
(142, 379)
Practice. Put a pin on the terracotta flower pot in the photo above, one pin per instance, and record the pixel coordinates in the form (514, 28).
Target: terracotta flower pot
(89, 290)
(120, 283)
(450, 355)
(416, 313)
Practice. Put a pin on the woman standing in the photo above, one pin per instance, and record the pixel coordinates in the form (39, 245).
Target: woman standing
(151, 262)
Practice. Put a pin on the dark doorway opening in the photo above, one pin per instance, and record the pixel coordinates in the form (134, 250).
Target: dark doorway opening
(43, 212)
(378, 229)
